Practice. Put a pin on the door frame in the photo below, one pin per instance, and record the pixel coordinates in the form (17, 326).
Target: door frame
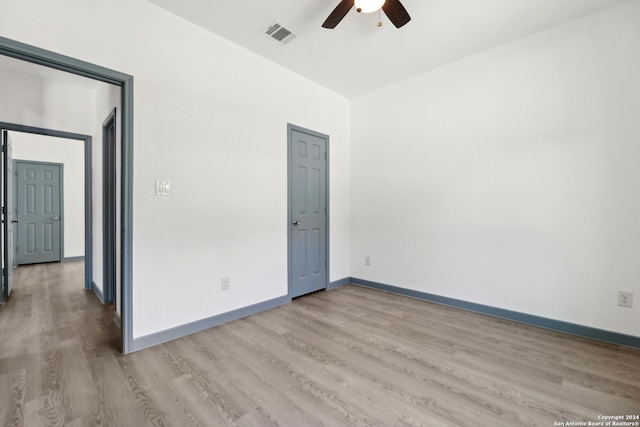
(51, 59)
(7, 194)
(88, 221)
(109, 214)
(290, 176)
(15, 196)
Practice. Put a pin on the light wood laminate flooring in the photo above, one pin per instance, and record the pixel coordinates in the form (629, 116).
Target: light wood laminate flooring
(350, 356)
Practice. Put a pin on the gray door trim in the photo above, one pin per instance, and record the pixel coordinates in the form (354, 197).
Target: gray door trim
(290, 129)
(61, 165)
(50, 59)
(4, 252)
(88, 220)
(109, 211)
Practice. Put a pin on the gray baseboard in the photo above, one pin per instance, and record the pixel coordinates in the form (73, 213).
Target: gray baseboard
(339, 283)
(200, 325)
(529, 319)
(97, 291)
(73, 258)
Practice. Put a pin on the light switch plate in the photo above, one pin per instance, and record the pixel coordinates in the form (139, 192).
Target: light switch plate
(163, 187)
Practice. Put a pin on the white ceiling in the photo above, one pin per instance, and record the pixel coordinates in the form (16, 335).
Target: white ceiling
(358, 57)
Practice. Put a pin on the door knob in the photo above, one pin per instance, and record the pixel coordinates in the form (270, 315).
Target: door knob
(296, 222)
(56, 218)
(15, 221)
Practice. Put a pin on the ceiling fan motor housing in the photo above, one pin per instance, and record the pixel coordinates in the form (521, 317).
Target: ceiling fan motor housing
(368, 6)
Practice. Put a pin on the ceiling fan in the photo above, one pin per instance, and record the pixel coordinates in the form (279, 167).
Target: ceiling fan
(394, 10)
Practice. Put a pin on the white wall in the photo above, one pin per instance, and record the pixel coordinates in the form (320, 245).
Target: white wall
(33, 100)
(70, 153)
(212, 117)
(510, 178)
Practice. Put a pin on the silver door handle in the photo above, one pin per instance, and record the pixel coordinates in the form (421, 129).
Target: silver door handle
(296, 222)
(56, 218)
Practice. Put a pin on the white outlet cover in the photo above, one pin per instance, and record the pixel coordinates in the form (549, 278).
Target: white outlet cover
(164, 187)
(625, 299)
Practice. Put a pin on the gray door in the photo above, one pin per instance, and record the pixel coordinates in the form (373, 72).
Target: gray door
(308, 224)
(39, 211)
(8, 261)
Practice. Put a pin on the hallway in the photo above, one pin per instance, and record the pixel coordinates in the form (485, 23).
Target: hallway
(51, 336)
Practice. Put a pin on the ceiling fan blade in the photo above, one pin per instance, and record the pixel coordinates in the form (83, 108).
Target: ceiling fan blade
(338, 13)
(396, 12)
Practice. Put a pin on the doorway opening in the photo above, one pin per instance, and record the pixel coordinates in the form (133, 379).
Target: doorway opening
(23, 135)
(34, 55)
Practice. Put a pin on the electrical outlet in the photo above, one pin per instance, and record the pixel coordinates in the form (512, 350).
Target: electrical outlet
(367, 260)
(226, 283)
(625, 299)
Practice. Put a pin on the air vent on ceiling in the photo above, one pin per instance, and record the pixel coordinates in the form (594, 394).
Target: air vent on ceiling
(279, 33)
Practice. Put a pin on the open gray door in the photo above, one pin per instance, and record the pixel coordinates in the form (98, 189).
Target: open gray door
(9, 222)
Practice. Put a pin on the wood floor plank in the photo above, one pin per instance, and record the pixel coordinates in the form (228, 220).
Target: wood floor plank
(307, 371)
(78, 390)
(12, 396)
(153, 414)
(116, 403)
(432, 375)
(350, 356)
(302, 393)
(364, 378)
(268, 400)
(47, 410)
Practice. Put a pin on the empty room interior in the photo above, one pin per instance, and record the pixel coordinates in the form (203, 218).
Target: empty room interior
(320, 213)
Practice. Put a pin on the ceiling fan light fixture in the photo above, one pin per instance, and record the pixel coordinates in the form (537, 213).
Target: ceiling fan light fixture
(369, 6)
(394, 10)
